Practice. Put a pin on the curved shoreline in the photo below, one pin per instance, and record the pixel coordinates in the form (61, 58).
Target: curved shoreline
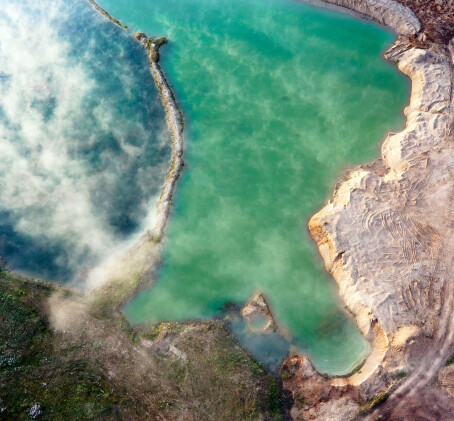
(140, 255)
(402, 21)
(426, 116)
(380, 235)
(119, 278)
(145, 255)
(411, 62)
(175, 124)
(393, 15)
(174, 119)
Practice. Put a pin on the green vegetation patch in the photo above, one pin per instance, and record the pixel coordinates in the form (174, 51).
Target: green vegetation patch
(369, 406)
(209, 376)
(450, 361)
(379, 400)
(106, 369)
(35, 369)
(400, 375)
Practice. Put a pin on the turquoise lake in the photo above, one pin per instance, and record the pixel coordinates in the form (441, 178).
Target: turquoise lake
(279, 98)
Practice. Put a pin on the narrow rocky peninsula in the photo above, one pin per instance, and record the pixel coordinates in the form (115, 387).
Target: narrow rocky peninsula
(121, 277)
(386, 237)
(174, 119)
(175, 123)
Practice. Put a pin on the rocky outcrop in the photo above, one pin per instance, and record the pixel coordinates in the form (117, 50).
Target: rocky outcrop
(315, 397)
(35, 411)
(152, 45)
(257, 315)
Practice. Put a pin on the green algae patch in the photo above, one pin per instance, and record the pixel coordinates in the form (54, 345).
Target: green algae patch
(450, 360)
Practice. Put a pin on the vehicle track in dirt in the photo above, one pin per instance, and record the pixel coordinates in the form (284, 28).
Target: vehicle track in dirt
(440, 350)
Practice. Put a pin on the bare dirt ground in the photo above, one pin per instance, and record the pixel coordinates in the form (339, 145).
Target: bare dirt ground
(436, 17)
(431, 12)
(418, 397)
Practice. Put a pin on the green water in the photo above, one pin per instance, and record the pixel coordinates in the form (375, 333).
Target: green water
(279, 97)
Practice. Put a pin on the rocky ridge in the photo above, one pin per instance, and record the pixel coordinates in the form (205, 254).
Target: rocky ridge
(436, 17)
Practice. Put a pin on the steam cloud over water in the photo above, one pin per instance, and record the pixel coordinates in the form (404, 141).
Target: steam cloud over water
(84, 146)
